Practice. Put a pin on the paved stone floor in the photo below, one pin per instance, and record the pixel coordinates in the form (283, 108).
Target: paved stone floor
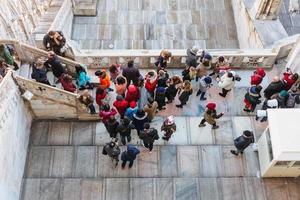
(65, 162)
(157, 24)
(291, 22)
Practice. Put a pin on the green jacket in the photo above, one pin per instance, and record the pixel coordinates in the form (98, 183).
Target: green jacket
(6, 56)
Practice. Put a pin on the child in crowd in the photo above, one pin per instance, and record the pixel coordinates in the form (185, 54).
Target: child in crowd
(210, 116)
(87, 99)
(184, 93)
(163, 59)
(67, 84)
(104, 80)
(131, 110)
(133, 94)
(106, 113)
(111, 127)
(151, 82)
(189, 73)
(121, 105)
(114, 71)
(173, 85)
(124, 129)
(83, 80)
(160, 97)
(100, 97)
(169, 127)
(151, 108)
(121, 85)
(205, 83)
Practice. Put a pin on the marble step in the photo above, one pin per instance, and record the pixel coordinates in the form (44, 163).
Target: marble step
(25, 70)
(247, 188)
(164, 161)
(44, 133)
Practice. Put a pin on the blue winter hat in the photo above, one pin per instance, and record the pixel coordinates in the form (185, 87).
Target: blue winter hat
(160, 89)
(283, 93)
(208, 80)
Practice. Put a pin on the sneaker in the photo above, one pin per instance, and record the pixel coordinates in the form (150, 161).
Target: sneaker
(164, 138)
(234, 152)
(179, 106)
(215, 127)
(246, 110)
(201, 125)
(198, 93)
(123, 165)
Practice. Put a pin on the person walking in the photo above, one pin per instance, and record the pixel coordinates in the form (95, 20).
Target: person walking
(204, 84)
(226, 82)
(242, 142)
(112, 149)
(274, 87)
(163, 59)
(149, 135)
(169, 127)
(210, 116)
(185, 93)
(121, 105)
(252, 98)
(192, 58)
(129, 155)
(124, 129)
(111, 127)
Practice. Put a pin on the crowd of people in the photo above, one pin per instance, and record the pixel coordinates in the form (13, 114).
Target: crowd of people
(139, 98)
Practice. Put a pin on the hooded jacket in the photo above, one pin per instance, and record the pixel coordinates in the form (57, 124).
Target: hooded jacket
(130, 154)
(125, 129)
(67, 85)
(289, 82)
(139, 121)
(39, 74)
(99, 98)
(191, 59)
(273, 88)
(243, 142)
(121, 106)
(55, 66)
(132, 96)
(111, 128)
(258, 76)
(131, 74)
(105, 115)
(111, 151)
(252, 96)
(149, 135)
(83, 78)
(130, 112)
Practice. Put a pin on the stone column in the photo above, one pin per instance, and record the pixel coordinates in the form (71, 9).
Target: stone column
(294, 58)
(266, 9)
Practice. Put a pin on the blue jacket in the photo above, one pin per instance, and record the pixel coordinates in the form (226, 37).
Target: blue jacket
(130, 112)
(83, 78)
(130, 154)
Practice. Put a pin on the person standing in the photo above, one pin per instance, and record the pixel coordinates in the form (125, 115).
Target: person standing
(139, 119)
(173, 85)
(252, 98)
(151, 82)
(54, 64)
(129, 155)
(163, 59)
(112, 149)
(257, 76)
(274, 87)
(242, 142)
(124, 129)
(169, 127)
(210, 116)
(121, 105)
(87, 99)
(111, 127)
(192, 58)
(131, 73)
(106, 113)
(185, 93)
(204, 84)
(149, 135)
(151, 108)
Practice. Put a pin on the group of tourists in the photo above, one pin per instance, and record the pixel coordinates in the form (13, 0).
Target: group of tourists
(139, 98)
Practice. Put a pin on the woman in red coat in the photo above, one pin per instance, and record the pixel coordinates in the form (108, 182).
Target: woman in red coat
(106, 113)
(151, 82)
(289, 79)
(257, 76)
(66, 82)
(121, 105)
(133, 94)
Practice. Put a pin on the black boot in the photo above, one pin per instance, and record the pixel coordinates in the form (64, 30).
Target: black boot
(234, 152)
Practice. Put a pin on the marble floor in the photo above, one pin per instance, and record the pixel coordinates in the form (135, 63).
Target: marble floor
(291, 22)
(157, 24)
(65, 160)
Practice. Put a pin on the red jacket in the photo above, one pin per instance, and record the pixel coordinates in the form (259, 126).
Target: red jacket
(256, 79)
(289, 82)
(99, 98)
(68, 86)
(132, 96)
(105, 115)
(150, 85)
(121, 106)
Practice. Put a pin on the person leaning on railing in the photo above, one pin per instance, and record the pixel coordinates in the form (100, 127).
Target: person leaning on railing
(54, 41)
(6, 56)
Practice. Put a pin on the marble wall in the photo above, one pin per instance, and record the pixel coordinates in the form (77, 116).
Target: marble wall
(15, 122)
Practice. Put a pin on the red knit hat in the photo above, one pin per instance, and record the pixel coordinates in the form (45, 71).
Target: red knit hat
(260, 71)
(131, 89)
(132, 104)
(211, 106)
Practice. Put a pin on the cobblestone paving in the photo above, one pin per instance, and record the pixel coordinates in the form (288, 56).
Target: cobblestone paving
(157, 24)
(291, 22)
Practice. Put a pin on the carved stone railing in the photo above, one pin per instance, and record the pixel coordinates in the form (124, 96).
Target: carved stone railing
(240, 59)
(52, 103)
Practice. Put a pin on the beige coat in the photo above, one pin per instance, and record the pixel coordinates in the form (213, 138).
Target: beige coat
(210, 116)
(151, 110)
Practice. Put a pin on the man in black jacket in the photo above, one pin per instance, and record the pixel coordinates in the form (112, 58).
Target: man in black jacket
(242, 142)
(131, 73)
(149, 135)
(124, 129)
(274, 87)
(54, 64)
(112, 150)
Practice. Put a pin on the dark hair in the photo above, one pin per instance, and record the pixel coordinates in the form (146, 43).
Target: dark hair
(130, 63)
(205, 63)
(112, 144)
(113, 68)
(295, 76)
(146, 125)
(248, 133)
(221, 59)
(99, 91)
(230, 75)
(106, 107)
(2, 47)
(51, 33)
(125, 121)
(258, 88)
(79, 69)
(150, 99)
(151, 73)
(121, 80)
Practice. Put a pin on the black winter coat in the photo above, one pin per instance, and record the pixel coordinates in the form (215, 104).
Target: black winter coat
(273, 88)
(111, 152)
(191, 59)
(171, 92)
(39, 74)
(184, 96)
(243, 142)
(55, 66)
(149, 136)
(131, 74)
(112, 128)
(125, 130)
(160, 97)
